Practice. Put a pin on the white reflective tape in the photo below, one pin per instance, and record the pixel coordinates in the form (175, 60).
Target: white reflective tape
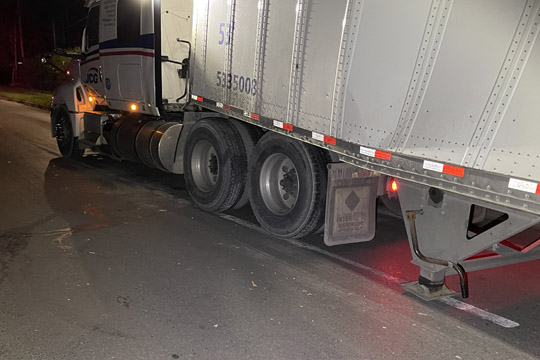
(219, 105)
(367, 151)
(278, 124)
(434, 166)
(317, 136)
(527, 186)
(194, 97)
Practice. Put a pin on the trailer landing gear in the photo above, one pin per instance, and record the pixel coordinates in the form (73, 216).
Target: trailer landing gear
(442, 238)
(425, 288)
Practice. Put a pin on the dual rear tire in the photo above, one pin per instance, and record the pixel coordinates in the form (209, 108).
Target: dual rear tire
(285, 179)
(215, 165)
(288, 186)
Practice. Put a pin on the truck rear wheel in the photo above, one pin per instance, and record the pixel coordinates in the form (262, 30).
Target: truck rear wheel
(215, 165)
(250, 135)
(67, 142)
(287, 186)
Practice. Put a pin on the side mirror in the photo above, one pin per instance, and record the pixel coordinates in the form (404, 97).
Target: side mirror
(46, 60)
(64, 53)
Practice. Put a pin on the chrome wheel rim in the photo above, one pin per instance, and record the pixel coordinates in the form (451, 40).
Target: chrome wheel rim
(279, 184)
(205, 166)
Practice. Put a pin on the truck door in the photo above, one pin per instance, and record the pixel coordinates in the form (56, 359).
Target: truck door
(127, 54)
(91, 69)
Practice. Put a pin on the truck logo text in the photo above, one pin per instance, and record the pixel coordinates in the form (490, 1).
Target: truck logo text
(92, 76)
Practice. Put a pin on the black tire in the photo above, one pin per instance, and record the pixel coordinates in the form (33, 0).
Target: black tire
(215, 165)
(250, 135)
(65, 139)
(281, 207)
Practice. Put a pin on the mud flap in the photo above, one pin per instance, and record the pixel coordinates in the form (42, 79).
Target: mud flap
(351, 205)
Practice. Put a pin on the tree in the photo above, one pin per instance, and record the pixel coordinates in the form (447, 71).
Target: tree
(32, 32)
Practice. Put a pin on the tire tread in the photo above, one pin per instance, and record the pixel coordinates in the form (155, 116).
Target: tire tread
(234, 178)
(315, 160)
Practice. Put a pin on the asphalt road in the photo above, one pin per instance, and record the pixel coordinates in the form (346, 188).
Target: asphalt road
(107, 260)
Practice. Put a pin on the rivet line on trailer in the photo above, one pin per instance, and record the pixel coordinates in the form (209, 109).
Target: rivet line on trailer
(377, 160)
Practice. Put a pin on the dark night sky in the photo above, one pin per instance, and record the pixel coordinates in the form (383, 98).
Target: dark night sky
(37, 23)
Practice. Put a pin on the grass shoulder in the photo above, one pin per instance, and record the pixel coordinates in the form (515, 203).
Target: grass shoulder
(36, 98)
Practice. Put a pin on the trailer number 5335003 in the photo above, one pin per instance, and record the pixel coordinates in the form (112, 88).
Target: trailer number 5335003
(239, 83)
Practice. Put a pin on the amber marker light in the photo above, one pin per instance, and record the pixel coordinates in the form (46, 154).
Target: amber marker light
(91, 99)
(393, 185)
(133, 107)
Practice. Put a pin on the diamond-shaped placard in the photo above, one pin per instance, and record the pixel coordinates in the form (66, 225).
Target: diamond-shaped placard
(352, 200)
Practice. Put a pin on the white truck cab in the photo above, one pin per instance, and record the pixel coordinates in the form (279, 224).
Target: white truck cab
(124, 63)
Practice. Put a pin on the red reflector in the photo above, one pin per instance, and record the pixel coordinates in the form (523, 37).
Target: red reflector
(383, 155)
(329, 140)
(288, 127)
(453, 170)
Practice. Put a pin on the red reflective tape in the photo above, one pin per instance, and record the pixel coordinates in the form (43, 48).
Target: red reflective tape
(199, 98)
(453, 170)
(255, 117)
(226, 107)
(329, 140)
(383, 155)
(538, 189)
(287, 127)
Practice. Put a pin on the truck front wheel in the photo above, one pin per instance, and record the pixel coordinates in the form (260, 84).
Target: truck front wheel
(215, 165)
(67, 142)
(287, 186)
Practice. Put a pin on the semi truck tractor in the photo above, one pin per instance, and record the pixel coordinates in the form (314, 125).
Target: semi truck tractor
(310, 111)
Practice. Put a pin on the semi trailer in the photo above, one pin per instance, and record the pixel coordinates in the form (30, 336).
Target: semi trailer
(310, 111)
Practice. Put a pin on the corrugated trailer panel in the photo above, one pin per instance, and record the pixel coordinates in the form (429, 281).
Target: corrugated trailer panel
(516, 144)
(277, 42)
(454, 81)
(459, 95)
(385, 50)
(239, 63)
(315, 63)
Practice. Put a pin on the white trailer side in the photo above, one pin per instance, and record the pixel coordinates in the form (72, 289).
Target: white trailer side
(455, 82)
(442, 94)
(299, 106)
